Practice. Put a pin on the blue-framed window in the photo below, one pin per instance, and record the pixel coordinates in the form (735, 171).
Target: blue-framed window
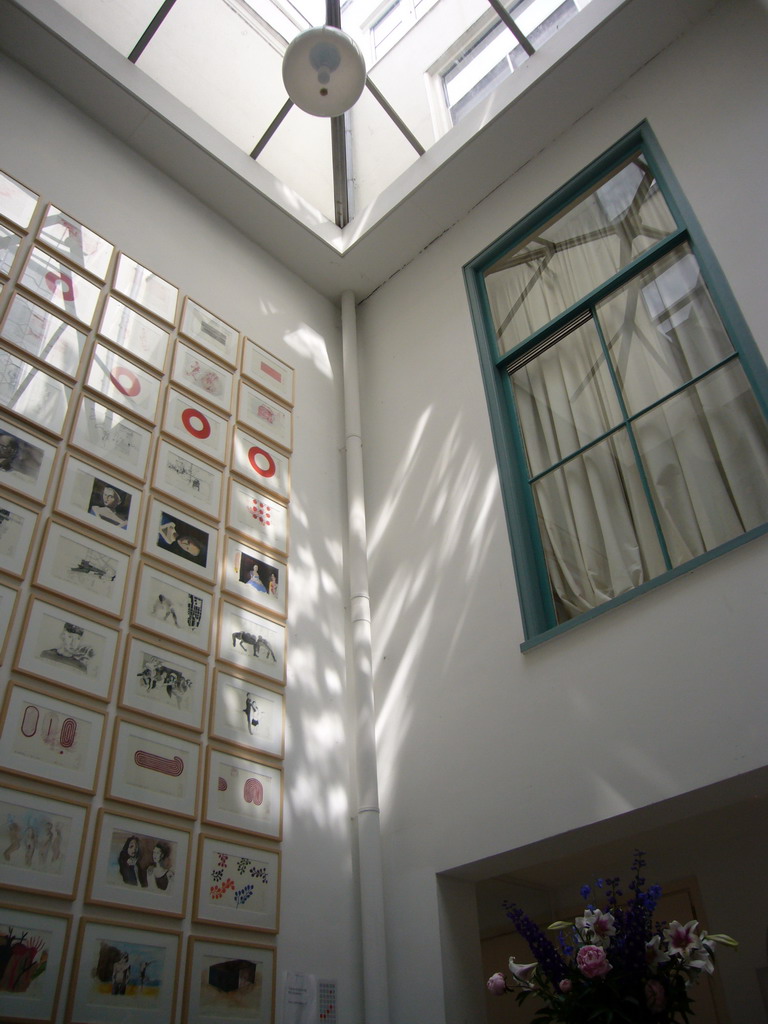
(627, 397)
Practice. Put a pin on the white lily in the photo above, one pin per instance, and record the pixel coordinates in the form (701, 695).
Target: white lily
(522, 973)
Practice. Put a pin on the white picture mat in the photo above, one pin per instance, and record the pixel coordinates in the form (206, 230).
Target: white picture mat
(182, 541)
(269, 372)
(50, 931)
(146, 288)
(173, 608)
(258, 516)
(115, 377)
(75, 242)
(28, 391)
(247, 715)
(164, 684)
(29, 469)
(154, 769)
(191, 480)
(59, 284)
(112, 437)
(238, 885)
(243, 794)
(99, 500)
(17, 527)
(256, 577)
(80, 567)
(200, 428)
(210, 332)
(42, 334)
(261, 464)
(252, 642)
(17, 202)
(133, 332)
(260, 412)
(202, 376)
(205, 1004)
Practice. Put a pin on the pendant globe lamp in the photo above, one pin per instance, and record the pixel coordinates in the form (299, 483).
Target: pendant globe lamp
(324, 71)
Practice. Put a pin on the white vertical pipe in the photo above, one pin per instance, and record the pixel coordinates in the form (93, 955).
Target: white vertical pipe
(368, 825)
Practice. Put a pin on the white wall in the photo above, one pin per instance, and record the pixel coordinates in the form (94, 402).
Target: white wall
(54, 150)
(484, 749)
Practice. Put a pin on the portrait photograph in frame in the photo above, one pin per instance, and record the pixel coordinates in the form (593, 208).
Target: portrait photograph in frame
(129, 330)
(268, 372)
(243, 794)
(41, 841)
(29, 392)
(204, 430)
(34, 995)
(247, 715)
(164, 684)
(77, 243)
(172, 608)
(146, 288)
(260, 412)
(17, 528)
(190, 480)
(115, 377)
(80, 567)
(229, 982)
(211, 333)
(63, 645)
(40, 333)
(237, 885)
(258, 516)
(153, 769)
(25, 461)
(261, 464)
(8, 598)
(9, 246)
(181, 540)
(252, 641)
(99, 500)
(17, 202)
(46, 738)
(139, 865)
(133, 972)
(57, 283)
(203, 377)
(255, 577)
(111, 437)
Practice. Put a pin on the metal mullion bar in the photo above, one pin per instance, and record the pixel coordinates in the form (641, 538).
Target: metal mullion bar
(150, 30)
(258, 148)
(394, 117)
(511, 24)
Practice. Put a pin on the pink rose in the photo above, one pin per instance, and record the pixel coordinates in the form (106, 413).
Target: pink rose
(592, 962)
(565, 985)
(497, 984)
(655, 996)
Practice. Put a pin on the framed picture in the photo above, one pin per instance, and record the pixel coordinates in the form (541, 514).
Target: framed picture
(57, 283)
(263, 414)
(255, 577)
(229, 982)
(7, 607)
(139, 864)
(133, 332)
(164, 684)
(237, 885)
(252, 642)
(119, 970)
(247, 715)
(153, 769)
(17, 203)
(78, 244)
(110, 436)
(146, 289)
(36, 945)
(259, 517)
(209, 332)
(187, 478)
(9, 246)
(201, 376)
(173, 608)
(17, 527)
(41, 841)
(83, 569)
(117, 378)
(30, 392)
(66, 647)
(43, 334)
(243, 794)
(268, 372)
(181, 540)
(204, 430)
(261, 464)
(25, 461)
(99, 500)
(44, 737)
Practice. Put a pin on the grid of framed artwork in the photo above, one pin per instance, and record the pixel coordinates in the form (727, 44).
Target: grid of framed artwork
(145, 483)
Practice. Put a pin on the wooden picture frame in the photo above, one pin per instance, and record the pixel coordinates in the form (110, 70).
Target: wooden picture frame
(211, 333)
(261, 464)
(35, 996)
(42, 334)
(82, 568)
(8, 597)
(64, 646)
(153, 769)
(43, 737)
(237, 885)
(181, 541)
(258, 411)
(111, 437)
(17, 202)
(246, 714)
(229, 982)
(69, 238)
(139, 865)
(203, 377)
(99, 500)
(145, 288)
(135, 333)
(255, 577)
(163, 684)
(42, 841)
(33, 394)
(187, 421)
(57, 283)
(17, 528)
(258, 516)
(252, 641)
(268, 372)
(9, 247)
(243, 794)
(140, 965)
(173, 608)
(188, 479)
(25, 461)
(123, 382)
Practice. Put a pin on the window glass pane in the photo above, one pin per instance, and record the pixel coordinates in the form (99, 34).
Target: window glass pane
(662, 329)
(576, 252)
(705, 452)
(565, 398)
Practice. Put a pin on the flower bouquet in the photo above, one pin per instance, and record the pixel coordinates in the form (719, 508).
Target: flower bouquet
(614, 964)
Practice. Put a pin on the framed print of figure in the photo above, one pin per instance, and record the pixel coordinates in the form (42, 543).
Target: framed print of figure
(238, 885)
(203, 377)
(42, 334)
(25, 461)
(173, 609)
(163, 684)
(259, 517)
(243, 794)
(57, 283)
(17, 203)
(146, 289)
(187, 478)
(153, 769)
(256, 577)
(81, 246)
(8, 598)
(181, 540)
(124, 382)
(252, 641)
(129, 330)
(110, 436)
(261, 464)
(209, 332)
(31, 980)
(248, 715)
(204, 430)
(261, 413)
(99, 500)
(9, 246)
(17, 527)
(268, 372)
(82, 568)
(229, 982)
(28, 391)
